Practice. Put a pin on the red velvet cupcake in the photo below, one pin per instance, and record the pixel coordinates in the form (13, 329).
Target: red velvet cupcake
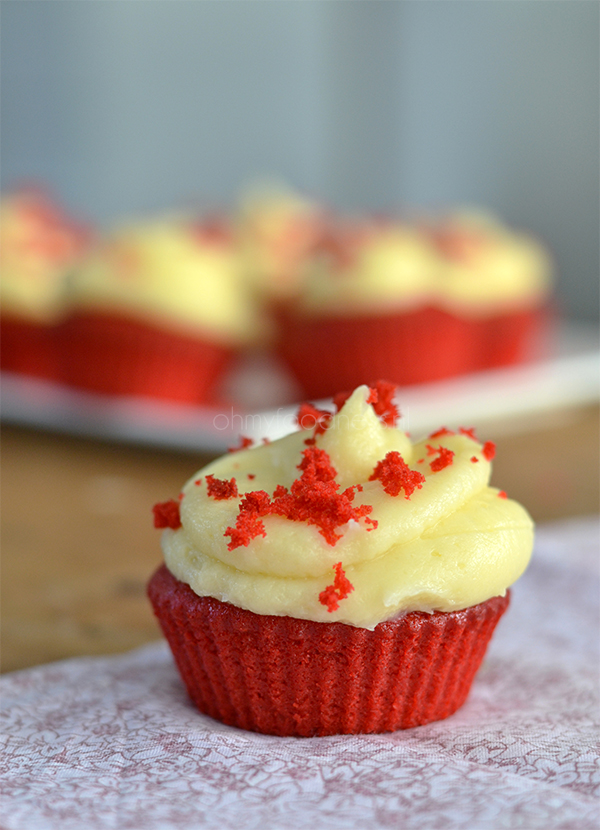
(39, 249)
(369, 308)
(496, 281)
(415, 304)
(338, 580)
(159, 311)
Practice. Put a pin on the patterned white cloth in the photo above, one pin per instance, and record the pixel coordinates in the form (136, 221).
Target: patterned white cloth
(113, 744)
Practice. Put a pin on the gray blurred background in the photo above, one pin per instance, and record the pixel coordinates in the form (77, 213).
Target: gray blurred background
(130, 106)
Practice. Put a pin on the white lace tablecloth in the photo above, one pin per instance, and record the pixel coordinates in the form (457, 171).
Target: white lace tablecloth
(112, 743)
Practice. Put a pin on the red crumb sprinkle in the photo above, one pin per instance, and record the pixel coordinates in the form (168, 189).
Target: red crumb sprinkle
(474, 459)
(166, 514)
(470, 432)
(381, 397)
(245, 442)
(502, 495)
(444, 459)
(440, 432)
(198, 482)
(313, 498)
(340, 589)
(489, 450)
(384, 405)
(220, 488)
(395, 475)
(310, 417)
(251, 476)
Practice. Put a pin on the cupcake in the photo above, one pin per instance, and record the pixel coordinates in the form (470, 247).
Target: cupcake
(159, 310)
(276, 231)
(341, 579)
(498, 282)
(368, 307)
(415, 303)
(39, 248)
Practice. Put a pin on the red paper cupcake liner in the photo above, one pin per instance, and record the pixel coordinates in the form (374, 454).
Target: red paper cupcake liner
(29, 348)
(115, 355)
(327, 354)
(286, 676)
(509, 339)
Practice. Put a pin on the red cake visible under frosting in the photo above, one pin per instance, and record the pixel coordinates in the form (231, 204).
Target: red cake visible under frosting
(285, 676)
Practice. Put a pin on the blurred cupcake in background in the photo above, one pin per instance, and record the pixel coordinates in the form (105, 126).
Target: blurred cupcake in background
(368, 308)
(160, 310)
(39, 249)
(276, 230)
(498, 281)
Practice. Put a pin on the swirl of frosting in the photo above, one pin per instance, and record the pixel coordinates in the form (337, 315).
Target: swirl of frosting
(418, 526)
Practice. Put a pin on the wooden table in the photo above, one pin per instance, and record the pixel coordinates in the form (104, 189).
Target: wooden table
(78, 544)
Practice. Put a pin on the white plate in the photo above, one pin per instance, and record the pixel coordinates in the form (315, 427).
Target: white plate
(569, 377)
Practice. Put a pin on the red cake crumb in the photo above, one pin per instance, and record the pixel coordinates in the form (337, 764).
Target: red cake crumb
(395, 475)
(198, 482)
(381, 397)
(489, 450)
(251, 476)
(220, 488)
(474, 459)
(470, 432)
(166, 514)
(245, 442)
(340, 589)
(440, 432)
(309, 416)
(384, 405)
(502, 495)
(444, 459)
(313, 498)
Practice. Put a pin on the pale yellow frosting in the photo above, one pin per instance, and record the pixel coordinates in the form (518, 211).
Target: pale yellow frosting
(390, 266)
(172, 274)
(493, 267)
(469, 264)
(454, 543)
(38, 249)
(276, 228)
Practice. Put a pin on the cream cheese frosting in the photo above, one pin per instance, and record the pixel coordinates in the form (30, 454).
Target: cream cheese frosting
(487, 266)
(468, 263)
(453, 542)
(174, 273)
(39, 247)
(372, 267)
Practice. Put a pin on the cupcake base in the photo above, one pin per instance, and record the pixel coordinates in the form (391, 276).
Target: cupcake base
(29, 348)
(327, 354)
(115, 355)
(291, 677)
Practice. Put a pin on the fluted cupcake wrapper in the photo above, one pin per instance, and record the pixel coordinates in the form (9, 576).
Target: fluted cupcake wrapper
(327, 354)
(286, 676)
(29, 348)
(116, 355)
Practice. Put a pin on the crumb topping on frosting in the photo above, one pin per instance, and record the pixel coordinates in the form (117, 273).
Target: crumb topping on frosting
(340, 589)
(166, 514)
(415, 524)
(313, 498)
